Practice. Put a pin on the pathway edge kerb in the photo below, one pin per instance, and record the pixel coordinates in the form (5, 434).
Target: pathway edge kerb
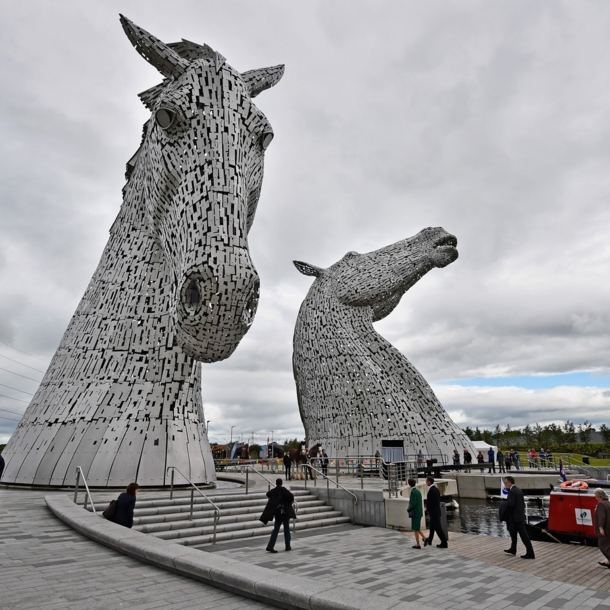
(262, 584)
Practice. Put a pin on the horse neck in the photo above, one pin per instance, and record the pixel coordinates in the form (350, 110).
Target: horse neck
(332, 323)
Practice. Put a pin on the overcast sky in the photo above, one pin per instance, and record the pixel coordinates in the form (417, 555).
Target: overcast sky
(490, 119)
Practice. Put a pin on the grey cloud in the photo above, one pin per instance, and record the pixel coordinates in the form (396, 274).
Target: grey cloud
(489, 119)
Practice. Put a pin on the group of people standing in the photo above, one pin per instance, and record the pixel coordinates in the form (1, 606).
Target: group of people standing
(546, 458)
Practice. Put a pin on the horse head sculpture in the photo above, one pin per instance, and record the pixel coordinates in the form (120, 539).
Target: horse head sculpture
(174, 287)
(196, 180)
(354, 388)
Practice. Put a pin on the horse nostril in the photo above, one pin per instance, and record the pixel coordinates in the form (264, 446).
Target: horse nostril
(192, 294)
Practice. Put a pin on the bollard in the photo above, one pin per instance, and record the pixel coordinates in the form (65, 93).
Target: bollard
(247, 471)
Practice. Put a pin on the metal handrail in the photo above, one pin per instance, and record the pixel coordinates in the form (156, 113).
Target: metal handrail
(193, 488)
(328, 479)
(79, 472)
(260, 474)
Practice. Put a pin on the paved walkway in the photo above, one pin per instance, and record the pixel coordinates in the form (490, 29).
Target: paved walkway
(46, 565)
(382, 562)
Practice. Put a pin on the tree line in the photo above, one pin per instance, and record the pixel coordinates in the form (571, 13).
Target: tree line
(557, 436)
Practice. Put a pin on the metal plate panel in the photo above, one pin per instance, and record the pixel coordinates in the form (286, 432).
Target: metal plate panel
(152, 464)
(61, 472)
(125, 466)
(99, 472)
(87, 449)
(53, 454)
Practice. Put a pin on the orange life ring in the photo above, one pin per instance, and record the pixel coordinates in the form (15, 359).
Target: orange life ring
(576, 484)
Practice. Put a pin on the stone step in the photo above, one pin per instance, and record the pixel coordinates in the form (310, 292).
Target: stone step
(235, 497)
(162, 514)
(185, 507)
(196, 532)
(234, 516)
(264, 530)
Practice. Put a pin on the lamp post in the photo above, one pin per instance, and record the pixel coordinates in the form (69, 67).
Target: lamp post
(232, 434)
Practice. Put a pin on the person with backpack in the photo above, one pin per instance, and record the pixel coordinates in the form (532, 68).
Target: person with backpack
(279, 508)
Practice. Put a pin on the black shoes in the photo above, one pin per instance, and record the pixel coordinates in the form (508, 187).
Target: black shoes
(442, 546)
(528, 556)
(510, 552)
(289, 548)
(427, 542)
(416, 547)
(270, 550)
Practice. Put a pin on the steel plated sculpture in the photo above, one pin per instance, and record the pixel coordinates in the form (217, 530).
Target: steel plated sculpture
(354, 388)
(175, 285)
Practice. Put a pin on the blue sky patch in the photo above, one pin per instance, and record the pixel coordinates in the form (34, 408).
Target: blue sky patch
(537, 382)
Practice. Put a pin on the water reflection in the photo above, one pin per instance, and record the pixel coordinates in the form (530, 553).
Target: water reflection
(477, 517)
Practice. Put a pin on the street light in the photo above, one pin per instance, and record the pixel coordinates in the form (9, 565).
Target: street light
(232, 433)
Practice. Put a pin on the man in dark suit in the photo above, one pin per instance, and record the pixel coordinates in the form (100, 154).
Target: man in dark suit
(513, 512)
(433, 506)
(279, 507)
(287, 465)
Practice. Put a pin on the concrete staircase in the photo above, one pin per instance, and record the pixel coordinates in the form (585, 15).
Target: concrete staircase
(239, 513)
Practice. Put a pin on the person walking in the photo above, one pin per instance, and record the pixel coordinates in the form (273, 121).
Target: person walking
(602, 525)
(433, 506)
(508, 461)
(467, 459)
(512, 510)
(324, 462)
(125, 506)
(500, 457)
(288, 465)
(515, 456)
(456, 457)
(491, 459)
(279, 508)
(542, 458)
(416, 512)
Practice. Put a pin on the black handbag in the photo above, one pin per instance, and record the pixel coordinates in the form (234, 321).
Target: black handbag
(110, 511)
(412, 512)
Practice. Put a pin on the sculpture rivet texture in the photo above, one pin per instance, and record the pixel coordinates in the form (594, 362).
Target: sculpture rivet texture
(354, 388)
(175, 286)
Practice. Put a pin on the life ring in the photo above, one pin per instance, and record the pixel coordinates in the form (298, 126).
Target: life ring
(576, 485)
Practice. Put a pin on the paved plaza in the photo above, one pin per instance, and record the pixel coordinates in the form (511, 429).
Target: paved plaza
(46, 565)
(381, 561)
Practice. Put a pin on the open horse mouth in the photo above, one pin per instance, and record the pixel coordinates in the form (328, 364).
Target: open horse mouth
(446, 240)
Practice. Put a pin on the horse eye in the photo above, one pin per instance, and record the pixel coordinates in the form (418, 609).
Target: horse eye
(266, 139)
(165, 118)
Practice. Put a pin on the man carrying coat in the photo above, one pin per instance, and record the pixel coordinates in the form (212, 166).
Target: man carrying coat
(279, 507)
(512, 511)
(433, 506)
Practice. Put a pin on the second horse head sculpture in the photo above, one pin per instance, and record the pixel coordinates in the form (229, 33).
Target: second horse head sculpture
(354, 388)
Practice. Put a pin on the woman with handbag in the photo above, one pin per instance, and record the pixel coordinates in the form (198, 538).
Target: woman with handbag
(416, 512)
(125, 505)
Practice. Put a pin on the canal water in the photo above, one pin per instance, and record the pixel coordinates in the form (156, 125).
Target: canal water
(477, 517)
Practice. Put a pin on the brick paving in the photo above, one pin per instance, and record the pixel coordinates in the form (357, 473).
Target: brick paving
(382, 562)
(46, 565)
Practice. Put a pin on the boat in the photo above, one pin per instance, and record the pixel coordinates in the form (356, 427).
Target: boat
(570, 516)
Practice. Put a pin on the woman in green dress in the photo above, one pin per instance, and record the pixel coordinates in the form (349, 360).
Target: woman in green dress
(416, 512)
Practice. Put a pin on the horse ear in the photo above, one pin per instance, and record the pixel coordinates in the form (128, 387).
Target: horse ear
(307, 269)
(155, 52)
(263, 78)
